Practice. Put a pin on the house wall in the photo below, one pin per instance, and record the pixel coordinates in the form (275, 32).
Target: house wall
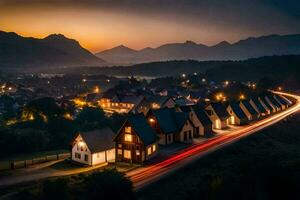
(186, 132)
(271, 104)
(217, 123)
(264, 105)
(104, 156)
(245, 110)
(169, 103)
(197, 124)
(135, 148)
(79, 147)
(98, 158)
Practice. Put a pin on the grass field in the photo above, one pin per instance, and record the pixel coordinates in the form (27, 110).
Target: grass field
(265, 165)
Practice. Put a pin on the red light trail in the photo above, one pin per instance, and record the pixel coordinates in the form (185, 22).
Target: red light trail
(146, 175)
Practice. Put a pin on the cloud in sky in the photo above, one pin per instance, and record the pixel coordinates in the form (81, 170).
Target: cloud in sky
(100, 24)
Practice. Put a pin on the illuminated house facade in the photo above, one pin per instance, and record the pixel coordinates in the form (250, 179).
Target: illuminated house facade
(218, 115)
(136, 141)
(170, 125)
(237, 115)
(111, 102)
(157, 102)
(94, 147)
(202, 123)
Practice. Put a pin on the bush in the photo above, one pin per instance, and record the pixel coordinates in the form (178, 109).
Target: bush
(109, 184)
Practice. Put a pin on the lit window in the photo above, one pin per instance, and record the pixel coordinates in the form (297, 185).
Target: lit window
(137, 152)
(119, 151)
(128, 129)
(154, 148)
(128, 138)
(149, 151)
(127, 154)
(120, 145)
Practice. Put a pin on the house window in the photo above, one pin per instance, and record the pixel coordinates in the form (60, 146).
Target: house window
(120, 145)
(78, 155)
(119, 151)
(149, 151)
(154, 147)
(128, 129)
(86, 157)
(137, 152)
(128, 138)
(127, 154)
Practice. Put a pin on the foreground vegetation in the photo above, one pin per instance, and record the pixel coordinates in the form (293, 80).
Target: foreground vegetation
(262, 166)
(107, 184)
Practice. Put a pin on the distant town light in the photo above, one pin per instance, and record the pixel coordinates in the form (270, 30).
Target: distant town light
(183, 75)
(151, 120)
(226, 83)
(242, 97)
(96, 89)
(107, 80)
(84, 80)
(195, 73)
(203, 80)
(279, 88)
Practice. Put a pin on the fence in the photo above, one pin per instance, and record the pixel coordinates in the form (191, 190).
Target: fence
(6, 165)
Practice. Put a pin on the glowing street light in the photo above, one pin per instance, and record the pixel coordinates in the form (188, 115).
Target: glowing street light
(242, 97)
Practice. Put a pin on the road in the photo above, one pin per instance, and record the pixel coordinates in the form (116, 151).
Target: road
(146, 175)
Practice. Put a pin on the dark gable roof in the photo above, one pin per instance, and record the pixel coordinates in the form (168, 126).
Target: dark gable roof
(249, 107)
(281, 100)
(169, 120)
(165, 119)
(98, 140)
(238, 111)
(160, 100)
(286, 100)
(109, 94)
(142, 129)
(180, 119)
(259, 105)
(274, 102)
(204, 119)
(266, 103)
(220, 110)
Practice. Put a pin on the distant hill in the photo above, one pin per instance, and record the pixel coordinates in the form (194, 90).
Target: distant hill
(52, 51)
(249, 48)
(278, 67)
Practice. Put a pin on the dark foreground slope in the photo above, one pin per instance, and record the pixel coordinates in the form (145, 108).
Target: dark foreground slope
(262, 166)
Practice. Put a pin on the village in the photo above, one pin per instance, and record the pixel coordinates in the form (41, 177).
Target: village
(159, 117)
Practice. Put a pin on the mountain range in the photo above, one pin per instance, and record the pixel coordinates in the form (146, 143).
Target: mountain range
(252, 47)
(52, 51)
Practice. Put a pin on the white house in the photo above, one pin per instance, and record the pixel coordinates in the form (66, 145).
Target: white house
(94, 147)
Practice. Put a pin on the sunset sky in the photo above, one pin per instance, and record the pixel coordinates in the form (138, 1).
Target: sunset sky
(102, 24)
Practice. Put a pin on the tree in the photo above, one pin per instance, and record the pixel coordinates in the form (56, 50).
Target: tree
(91, 118)
(109, 184)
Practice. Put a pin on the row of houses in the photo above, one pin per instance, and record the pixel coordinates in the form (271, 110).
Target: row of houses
(141, 134)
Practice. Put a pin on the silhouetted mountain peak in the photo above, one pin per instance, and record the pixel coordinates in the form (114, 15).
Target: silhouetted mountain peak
(223, 44)
(119, 49)
(189, 42)
(53, 50)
